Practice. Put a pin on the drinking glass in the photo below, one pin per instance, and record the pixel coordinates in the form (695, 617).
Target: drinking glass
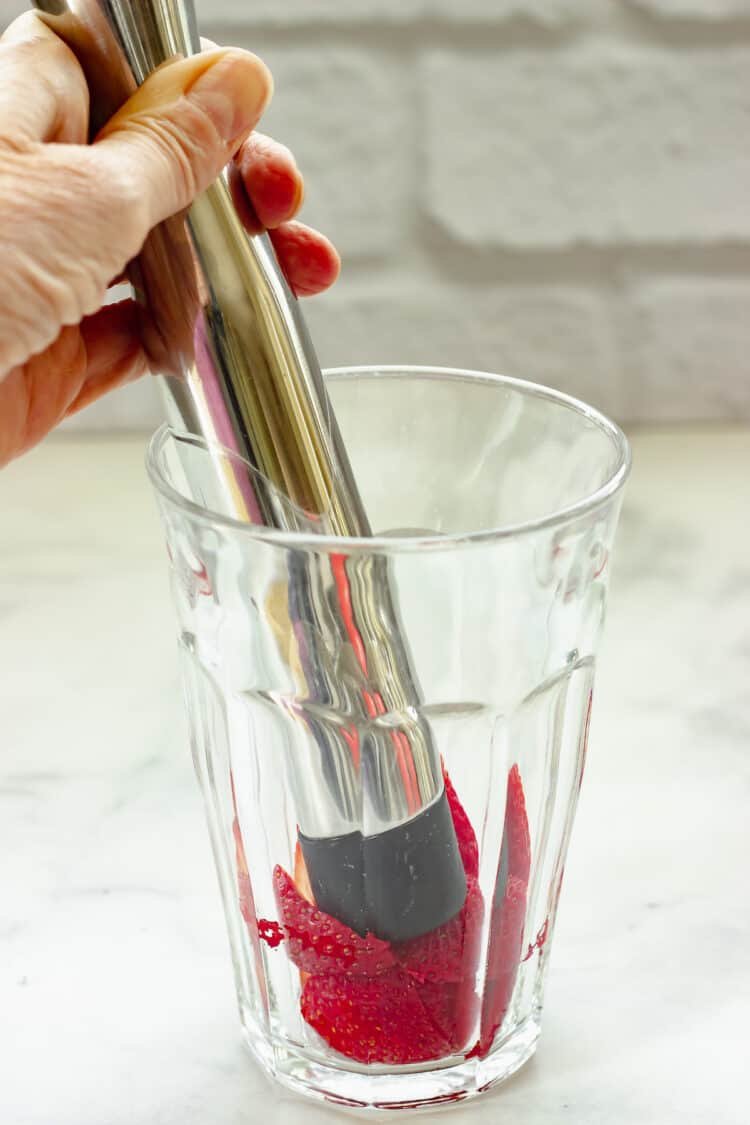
(494, 504)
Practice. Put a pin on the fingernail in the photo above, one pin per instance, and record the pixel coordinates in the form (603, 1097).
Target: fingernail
(233, 92)
(282, 196)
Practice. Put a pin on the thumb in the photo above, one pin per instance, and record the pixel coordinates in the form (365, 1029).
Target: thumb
(172, 138)
(73, 216)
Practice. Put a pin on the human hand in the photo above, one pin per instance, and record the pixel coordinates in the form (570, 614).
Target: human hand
(72, 214)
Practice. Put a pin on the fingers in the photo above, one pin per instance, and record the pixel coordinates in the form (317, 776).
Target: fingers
(268, 190)
(271, 179)
(266, 183)
(309, 261)
(174, 136)
(114, 352)
(34, 397)
(43, 93)
(113, 336)
(73, 216)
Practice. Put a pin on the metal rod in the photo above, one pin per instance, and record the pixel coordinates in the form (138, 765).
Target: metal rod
(239, 368)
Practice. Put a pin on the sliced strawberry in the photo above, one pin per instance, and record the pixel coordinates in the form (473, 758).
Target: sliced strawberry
(416, 1000)
(380, 1020)
(443, 964)
(319, 943)
(302, 881)
(507, 933)
(450, 952)
(516, 837)
(467, 1011)
(503, 961)
(452, 1008)
(440, 1002)
(247, 904)
(508, 913)
(467, 840)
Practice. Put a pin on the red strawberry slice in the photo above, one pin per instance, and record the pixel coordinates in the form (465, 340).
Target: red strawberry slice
(450, 952)
(443, 964)
(247, 905)
(508, 913)
(415, 1001)
(467, 840)
(440, 1000)
(452, 1008)
(319, 943)
(380, 1020)
(516, 837)
(503, 961)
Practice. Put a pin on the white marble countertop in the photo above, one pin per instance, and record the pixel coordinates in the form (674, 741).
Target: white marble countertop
(116, 999)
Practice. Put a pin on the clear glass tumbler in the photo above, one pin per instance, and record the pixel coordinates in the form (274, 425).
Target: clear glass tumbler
(494, 504)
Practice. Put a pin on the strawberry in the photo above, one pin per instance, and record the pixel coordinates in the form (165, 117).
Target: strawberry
(414, 1001)
(508, 913)
(319, 943)
(452, 1007)
(247, 905)
(504, 958)
(443, 963)
(380, 1020)
(516, 835)
(467, 840)
(439, 999)
(449, 952)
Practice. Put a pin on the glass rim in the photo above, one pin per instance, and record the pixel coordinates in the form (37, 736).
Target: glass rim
(387, 544)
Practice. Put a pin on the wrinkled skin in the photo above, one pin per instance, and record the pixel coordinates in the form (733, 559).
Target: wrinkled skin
(72, 214)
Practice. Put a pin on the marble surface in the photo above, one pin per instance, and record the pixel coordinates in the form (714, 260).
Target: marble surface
(116, 1002)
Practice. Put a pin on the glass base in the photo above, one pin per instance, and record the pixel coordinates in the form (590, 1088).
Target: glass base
(407, 1087)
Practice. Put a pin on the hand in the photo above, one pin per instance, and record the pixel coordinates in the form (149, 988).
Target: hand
(72, 214)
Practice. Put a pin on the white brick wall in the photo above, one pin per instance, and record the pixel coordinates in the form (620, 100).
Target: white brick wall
(706, 10)
(687, 350)
(554, 188)
(292, 13)
(603, 148)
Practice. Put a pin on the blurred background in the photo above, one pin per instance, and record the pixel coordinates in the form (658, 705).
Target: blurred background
(556, 189)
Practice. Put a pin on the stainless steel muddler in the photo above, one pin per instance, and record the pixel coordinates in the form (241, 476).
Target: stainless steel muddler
(239, 370)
